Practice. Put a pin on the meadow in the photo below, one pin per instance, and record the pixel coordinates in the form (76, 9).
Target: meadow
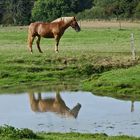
(97, 59)
(81, 56)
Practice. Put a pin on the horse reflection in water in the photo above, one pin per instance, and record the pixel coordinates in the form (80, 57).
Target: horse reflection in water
(56, 105)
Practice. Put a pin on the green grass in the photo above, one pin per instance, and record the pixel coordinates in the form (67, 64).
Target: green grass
(102, 56)
(121, 82)
(91, 51)
(9, 132)
(78, 136)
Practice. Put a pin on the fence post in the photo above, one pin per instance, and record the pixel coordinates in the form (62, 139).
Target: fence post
(80, 23)
(133, 50)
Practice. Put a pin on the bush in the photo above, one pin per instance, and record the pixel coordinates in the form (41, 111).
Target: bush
(48, 10)
(93, 13)
(11, 132)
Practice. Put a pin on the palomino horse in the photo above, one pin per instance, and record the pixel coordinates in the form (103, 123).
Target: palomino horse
(56, 105)
(55, 29)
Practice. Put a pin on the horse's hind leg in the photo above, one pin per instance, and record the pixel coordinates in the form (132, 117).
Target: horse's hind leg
(30, 41)
(38, 44)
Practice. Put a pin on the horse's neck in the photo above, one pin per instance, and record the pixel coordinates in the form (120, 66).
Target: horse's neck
(64, 21)
(67, 21)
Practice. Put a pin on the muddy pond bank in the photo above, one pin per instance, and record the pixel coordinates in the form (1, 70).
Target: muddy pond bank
(108, 78)
(68, 67)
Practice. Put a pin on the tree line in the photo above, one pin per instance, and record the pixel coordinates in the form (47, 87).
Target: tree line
(113, 9)
(22, 12)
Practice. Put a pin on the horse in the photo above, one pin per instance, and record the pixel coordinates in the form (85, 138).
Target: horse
(55, 104)
(54, 29)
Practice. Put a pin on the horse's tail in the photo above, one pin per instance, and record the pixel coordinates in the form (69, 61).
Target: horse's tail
(29, 35)
(30, 38)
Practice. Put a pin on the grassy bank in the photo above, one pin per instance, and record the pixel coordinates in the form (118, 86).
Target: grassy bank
(8, 133)
(121, 82)
(92, 51)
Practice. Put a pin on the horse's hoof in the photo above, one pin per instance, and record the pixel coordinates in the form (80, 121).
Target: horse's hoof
(57, 51)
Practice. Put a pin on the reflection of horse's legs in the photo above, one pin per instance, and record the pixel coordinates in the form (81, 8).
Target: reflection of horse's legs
(39, 96)
(33, 102)
(38, 44)
(57, 43)
(30, 41)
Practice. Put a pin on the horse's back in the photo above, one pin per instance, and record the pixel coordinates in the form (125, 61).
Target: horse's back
(40, 28)
(45, 29)
(33, 27)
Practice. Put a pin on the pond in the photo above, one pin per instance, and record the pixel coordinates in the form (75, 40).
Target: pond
(70, 111)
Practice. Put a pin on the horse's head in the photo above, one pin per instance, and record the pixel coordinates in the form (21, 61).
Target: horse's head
(75, 25)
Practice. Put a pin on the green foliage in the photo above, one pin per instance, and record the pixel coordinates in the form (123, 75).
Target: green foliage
(80, 5)
(17, 12)
(93, 13)
(11, 132)
(1, 10)
(23, 12)
(79, 136)
(137, 12)
(108, 9)
(48, 10)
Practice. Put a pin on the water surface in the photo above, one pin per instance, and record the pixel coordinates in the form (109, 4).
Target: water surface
(70, 112)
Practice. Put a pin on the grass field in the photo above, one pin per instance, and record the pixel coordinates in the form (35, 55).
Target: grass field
(81, 55)
(97, 59)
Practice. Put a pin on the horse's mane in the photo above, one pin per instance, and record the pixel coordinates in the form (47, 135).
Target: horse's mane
(65, 19)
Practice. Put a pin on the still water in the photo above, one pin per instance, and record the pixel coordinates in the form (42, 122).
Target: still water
(68, 111)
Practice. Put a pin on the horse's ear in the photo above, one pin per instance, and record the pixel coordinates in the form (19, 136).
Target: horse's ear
(74, 17)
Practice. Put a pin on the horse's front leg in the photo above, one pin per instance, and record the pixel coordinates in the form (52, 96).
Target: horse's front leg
(57, 38)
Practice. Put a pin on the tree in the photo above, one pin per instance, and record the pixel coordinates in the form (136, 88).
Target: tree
(10, 12)
(118, 8)
(48, 10)
(80, 5)
(137, 11)
(1, 10)
(23, 14)
(17, 12)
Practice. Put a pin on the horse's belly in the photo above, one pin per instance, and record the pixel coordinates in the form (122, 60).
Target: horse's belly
(48, 35)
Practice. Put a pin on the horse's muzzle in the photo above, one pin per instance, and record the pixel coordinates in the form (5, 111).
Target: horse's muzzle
(78, 29)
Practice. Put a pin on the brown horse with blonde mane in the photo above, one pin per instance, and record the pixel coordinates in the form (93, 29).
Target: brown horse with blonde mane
(54, 29)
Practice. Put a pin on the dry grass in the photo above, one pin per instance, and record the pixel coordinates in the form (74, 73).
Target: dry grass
(109, 24)
(92, 24)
